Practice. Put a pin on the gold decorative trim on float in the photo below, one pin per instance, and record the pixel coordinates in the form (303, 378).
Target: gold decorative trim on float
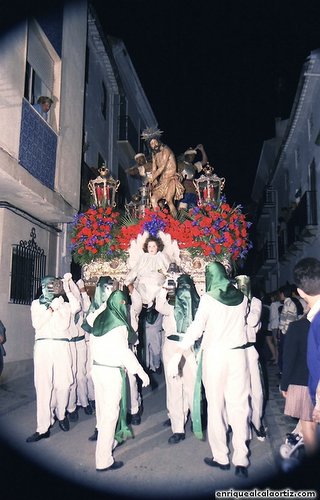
(116, 268)
(194, 266)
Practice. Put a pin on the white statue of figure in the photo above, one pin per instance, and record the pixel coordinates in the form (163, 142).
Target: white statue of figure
(149, 260)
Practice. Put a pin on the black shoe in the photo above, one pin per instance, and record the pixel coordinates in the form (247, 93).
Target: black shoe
(114, 466)
(36, 437)
(176, 437)
(135, 419)
(213, 463)
(88, 409)
(73, 416)
(92, 403)
(167, 423)
(241, 471)
(94, 436)
(261, 433)
(64, 424)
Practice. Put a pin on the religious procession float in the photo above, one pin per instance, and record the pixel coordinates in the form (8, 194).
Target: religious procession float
(108, 241)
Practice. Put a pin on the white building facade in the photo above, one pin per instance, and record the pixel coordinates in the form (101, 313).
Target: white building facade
(116, 110)
(40, 164)
(99, 110)
(286, 187)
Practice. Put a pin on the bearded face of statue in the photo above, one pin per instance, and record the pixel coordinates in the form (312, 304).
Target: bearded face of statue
(155, 145)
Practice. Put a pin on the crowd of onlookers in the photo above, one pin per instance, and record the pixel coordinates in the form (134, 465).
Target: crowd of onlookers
(289, 313)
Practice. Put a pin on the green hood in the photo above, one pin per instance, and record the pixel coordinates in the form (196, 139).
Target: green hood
(47, 296)
(101, 295)
(219, 287)
(186, 302)
(115, 314)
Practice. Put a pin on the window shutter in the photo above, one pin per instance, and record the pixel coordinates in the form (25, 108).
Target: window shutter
(39, 59)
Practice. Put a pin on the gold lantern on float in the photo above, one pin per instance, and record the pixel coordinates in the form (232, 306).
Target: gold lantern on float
(209, 186)
(132, 208)
(103, 188)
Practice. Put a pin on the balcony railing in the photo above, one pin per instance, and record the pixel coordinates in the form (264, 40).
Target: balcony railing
(266, 256)
(303, 218)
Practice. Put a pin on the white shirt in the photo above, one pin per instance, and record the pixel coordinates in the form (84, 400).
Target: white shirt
(313, 311)
(112, 349)
(222, 326)
(253, 319)
(274, 315)
(48, 324)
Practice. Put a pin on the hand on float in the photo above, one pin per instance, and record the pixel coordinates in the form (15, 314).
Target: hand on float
(67, 277)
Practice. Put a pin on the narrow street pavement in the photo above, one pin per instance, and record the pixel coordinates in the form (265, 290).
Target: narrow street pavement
(63, 466)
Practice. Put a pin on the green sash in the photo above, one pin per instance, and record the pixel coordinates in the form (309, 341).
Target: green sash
(122, 430)
(197, 400)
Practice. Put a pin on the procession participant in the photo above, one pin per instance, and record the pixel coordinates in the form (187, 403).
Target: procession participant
(253, 325)
(220, 320)
(135, 397)
(51, 316)
(89, 389)
(78, 392)
(178, 313)
(111, 357)
(104, 288)
(164, 180)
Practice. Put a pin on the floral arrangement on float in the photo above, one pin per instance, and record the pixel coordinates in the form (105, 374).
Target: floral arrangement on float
(93, 235)
(215, 231)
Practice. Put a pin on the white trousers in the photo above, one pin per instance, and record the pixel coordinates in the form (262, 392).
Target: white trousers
(90, 386)
(107, 384)
(153, 343)
(179, 389)
(52, 379)
(226, 382)
(256, 394)
(78, 391)
(134, 398)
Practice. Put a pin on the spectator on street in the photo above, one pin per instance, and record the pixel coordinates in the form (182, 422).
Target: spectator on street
(274, 326)
(289, 312)
(307, 279)
(294, 381)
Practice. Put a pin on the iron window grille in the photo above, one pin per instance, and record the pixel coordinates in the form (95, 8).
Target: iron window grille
(28, 267)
